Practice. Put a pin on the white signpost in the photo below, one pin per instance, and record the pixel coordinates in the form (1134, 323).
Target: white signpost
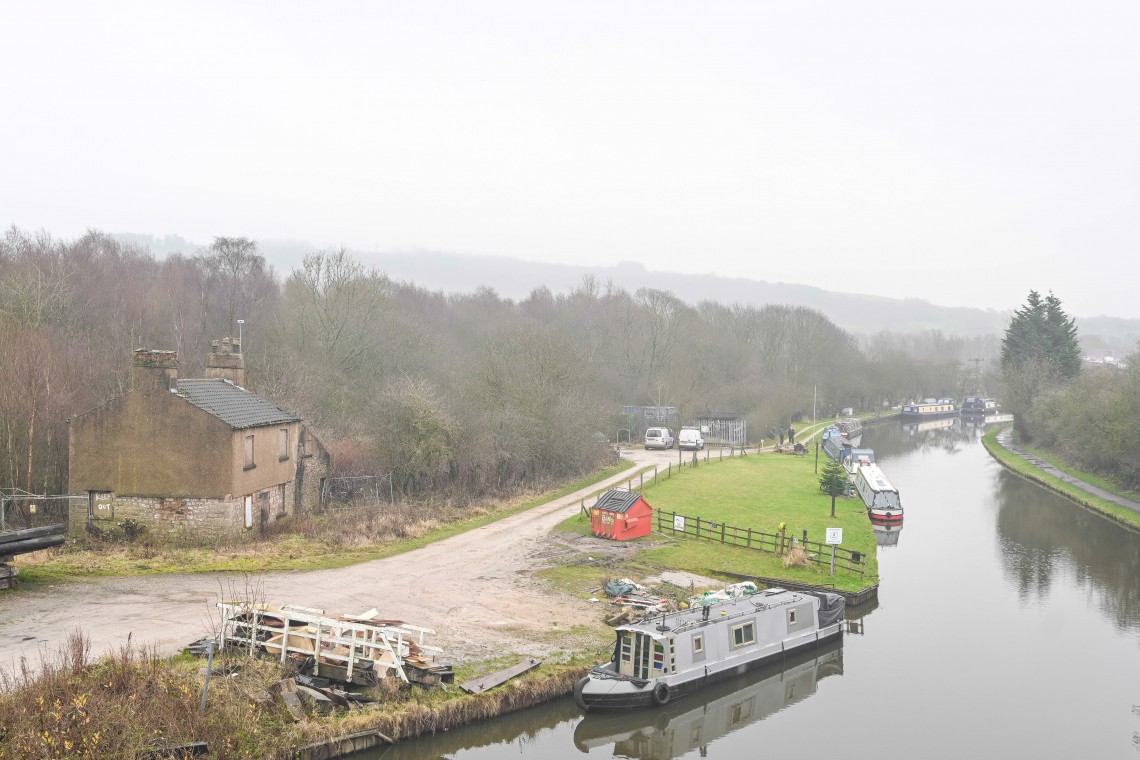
(834, 537)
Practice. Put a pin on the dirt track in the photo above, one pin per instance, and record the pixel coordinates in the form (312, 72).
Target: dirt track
(476, 590)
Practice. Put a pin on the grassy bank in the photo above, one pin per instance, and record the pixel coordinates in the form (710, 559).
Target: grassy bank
(1011, 461)
(759, 492)
(136, 702)
(335, 539)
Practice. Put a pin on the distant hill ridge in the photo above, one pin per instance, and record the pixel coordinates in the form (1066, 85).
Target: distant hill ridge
(858, 314)
(861, 315)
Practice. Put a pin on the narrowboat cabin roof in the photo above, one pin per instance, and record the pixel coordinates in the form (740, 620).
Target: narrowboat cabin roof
(694, 617)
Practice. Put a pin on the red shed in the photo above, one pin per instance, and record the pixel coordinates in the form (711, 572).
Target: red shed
(621, 515)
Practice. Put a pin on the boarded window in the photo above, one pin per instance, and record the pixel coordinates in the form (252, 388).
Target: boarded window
(249, 463)
(698, 644)
(283, 454)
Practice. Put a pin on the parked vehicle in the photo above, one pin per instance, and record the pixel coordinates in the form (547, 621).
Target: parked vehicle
(659, 438)
(690, 440)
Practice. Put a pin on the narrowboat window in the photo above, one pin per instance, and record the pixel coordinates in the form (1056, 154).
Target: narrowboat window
(743, 635)
(698, 644)
(791, 617)
(626, 648)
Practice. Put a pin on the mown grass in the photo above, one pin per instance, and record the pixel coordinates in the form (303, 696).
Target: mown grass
(338, 538)
(758, 492)
(1011, 461)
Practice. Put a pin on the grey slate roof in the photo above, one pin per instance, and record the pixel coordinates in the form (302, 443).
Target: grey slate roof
(617, 501)
(233, 404)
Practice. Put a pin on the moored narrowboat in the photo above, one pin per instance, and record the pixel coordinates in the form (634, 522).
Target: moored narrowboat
(881, 498)
(666, 657)
(942, 407)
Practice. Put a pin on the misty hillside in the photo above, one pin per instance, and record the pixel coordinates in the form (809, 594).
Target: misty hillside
(861, 315)
(858, 314)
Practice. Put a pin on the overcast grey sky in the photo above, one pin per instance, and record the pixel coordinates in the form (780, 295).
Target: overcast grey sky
(958, 152)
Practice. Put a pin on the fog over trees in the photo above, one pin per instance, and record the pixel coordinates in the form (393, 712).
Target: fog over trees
(457, 395)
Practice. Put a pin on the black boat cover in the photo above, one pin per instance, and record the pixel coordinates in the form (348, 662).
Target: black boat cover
(831, 608)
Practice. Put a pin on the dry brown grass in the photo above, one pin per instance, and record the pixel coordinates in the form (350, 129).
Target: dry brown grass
(796, 557)
(414, 713)
(123, 705)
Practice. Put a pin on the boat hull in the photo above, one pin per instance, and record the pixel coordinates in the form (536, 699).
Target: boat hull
(611, 693)
(885, 515)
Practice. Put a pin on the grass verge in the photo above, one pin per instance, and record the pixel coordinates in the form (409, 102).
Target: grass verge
(336, 539)
(1011, 461)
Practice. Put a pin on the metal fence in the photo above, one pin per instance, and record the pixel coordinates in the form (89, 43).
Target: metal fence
(20, 509)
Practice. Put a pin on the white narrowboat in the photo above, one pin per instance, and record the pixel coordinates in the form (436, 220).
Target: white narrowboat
(669, 656)
(881, 498)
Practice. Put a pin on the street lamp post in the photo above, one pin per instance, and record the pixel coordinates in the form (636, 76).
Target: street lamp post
(241, 348)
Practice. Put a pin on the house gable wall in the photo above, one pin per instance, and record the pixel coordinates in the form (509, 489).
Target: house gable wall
(150, 442)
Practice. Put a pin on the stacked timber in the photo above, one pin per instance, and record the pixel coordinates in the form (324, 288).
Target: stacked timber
(358, 649)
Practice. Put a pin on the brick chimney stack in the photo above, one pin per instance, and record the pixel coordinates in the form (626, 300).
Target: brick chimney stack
(154, 370)
(226, 361)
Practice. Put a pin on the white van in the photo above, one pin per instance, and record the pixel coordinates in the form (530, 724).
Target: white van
(690, 440)
(658, 438)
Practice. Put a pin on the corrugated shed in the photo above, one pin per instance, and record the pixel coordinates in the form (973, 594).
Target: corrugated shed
(232, 404)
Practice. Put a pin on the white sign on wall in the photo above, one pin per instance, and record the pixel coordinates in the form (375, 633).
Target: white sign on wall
(679, 522)
(834, 536)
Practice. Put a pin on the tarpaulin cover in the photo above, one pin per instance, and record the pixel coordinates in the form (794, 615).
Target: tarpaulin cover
(831, 608)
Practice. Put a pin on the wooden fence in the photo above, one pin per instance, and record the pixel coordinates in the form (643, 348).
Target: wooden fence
(675, 524)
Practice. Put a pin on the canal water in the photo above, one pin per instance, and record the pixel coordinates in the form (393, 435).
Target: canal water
(1007, 625)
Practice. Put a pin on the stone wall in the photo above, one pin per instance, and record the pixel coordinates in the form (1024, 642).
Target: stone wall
(197, 517)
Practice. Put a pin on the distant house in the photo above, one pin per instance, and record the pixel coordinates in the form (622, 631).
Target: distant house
(204, 456)
(621, 515)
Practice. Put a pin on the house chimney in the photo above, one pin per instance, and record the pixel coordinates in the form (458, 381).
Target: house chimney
(154, 370)
(225, 361)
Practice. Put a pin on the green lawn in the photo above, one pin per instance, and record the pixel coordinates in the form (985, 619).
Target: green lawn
(759, 492)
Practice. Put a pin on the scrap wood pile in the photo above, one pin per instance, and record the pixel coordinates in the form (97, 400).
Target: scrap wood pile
(318, 695)
(359, 649)
(634, 600)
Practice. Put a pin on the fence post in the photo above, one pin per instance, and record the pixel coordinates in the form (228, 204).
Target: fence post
(698, 527)
(641, 477)
(669, 471)
(654, 474)
(750, 538)
(722, 533)
(783, 539)
(805, 539)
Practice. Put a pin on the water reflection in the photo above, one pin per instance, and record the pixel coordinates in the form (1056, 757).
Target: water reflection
(698, 721)
(520, 730)
(886, 534)
(1044, 536)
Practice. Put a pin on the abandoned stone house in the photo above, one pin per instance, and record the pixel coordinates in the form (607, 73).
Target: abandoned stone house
(204, 456)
